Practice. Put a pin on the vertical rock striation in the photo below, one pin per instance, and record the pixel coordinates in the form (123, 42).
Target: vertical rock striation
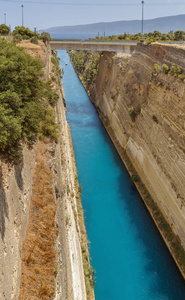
(15, 194)
(40, 242)
(143, 108)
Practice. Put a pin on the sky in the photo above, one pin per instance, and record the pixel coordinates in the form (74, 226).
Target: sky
(44, 14)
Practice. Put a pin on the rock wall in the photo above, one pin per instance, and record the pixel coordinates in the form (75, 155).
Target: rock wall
(16, 183)
(70, 283)
(144, 112)
(15, 193)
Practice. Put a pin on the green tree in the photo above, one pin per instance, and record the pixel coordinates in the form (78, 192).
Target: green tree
(178, 35)
(4, 29)
(157, 35)
(170, 35)
(34, 40)
(25, 32)
(25, 110)
(45, 36)
(17, 38)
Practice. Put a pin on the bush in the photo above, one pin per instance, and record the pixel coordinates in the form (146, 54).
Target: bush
(166, 68)
(45, 37)
(175, 70)
(4, 29)
(178, 71)
(181, 77)
(17, 38)
(34, 40)
(151, 40)
(25, 111)
(54, 61)
(132, 113)
(25, 32)
(156, 68)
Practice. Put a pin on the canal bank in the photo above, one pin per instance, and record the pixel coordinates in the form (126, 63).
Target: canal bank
(125, 246)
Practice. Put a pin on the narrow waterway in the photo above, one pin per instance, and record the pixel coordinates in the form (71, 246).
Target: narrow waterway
(128, 254)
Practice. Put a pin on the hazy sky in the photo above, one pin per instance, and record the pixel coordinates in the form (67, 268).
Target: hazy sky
(44, 14)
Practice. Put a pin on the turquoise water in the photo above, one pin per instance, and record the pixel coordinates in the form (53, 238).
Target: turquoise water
(128, 254)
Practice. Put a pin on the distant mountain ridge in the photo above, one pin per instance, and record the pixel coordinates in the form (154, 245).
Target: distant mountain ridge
(163, 24)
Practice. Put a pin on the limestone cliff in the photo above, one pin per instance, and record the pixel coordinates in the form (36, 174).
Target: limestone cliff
(40, 246)
(143, 108)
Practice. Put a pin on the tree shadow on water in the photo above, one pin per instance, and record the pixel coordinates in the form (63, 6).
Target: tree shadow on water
(3, 207)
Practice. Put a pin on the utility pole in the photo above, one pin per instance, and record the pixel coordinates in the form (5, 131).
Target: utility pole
(5, 19)
(142, 2)
(22, 15)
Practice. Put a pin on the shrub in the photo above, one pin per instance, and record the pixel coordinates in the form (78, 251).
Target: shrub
(166, 68)
(132, 113)
(34, 40)
(25, 110)
(156, 68)
(17, 38)
(178, 71)
(175, 70)
(151, 40)
(45, 37)
(181, 77)
(4, 29)
(25, 32)
(53, 60)
(52, 97)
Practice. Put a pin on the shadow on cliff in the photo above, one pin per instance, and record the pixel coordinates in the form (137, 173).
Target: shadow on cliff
(3, 207)
(18, 175)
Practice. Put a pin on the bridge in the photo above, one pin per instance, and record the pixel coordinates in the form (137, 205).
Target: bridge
(125, 47)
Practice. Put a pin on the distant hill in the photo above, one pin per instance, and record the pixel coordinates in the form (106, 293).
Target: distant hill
(164, 25)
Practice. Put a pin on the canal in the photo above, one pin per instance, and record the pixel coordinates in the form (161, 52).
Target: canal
(129, 256)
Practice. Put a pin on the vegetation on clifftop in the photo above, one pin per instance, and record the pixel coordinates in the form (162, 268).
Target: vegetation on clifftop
(25, 109)
(150, 37)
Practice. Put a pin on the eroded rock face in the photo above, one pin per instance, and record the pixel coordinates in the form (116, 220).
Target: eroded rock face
(144, 110)
(15, 193)
(23, 192)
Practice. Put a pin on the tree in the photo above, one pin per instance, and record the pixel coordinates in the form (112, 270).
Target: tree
(17, 38)
(157, 35)
(178, 35)
(34, 40)
(25, 32)
(45, 36)
(25, 111)
(4, 29)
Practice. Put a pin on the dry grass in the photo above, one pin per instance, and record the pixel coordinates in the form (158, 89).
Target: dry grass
(38, 254)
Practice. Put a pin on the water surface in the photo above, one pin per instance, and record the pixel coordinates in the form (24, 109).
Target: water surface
(129, 256)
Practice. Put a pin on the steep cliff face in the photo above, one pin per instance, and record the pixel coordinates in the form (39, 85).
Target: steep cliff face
(40, 242)
(15, 193)
(143, 109)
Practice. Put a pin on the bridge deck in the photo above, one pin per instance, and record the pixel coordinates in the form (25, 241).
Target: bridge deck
(125, 47)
